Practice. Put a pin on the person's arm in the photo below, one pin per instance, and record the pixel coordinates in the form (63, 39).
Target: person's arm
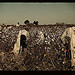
(63, 36)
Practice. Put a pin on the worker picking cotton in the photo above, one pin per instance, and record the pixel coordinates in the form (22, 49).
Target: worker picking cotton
(17, 24)
(18, 45)
(70, 32)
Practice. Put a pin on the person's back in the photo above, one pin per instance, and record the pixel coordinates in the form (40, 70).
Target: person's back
(73, 37)
(73, 45)
(70, 32)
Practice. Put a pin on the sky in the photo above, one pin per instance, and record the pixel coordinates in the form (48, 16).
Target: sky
(44, 13)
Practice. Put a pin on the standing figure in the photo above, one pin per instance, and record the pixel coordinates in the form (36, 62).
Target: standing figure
(17, 24)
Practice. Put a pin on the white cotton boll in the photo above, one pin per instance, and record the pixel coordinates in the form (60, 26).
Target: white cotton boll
(48, 42)
(52, 39)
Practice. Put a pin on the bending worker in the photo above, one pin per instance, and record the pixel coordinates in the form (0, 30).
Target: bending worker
(70, 32)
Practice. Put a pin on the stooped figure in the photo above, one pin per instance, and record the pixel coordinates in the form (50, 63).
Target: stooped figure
(21, 42)
(70, 32)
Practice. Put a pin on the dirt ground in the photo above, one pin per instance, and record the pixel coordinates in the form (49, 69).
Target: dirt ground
(51, 55)
(39, 58)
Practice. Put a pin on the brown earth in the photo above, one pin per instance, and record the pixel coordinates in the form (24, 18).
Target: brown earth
(47, 56)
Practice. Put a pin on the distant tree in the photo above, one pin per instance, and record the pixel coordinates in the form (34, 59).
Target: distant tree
(57, 23)
(35, 22)
(26, 22)
(63, 23)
